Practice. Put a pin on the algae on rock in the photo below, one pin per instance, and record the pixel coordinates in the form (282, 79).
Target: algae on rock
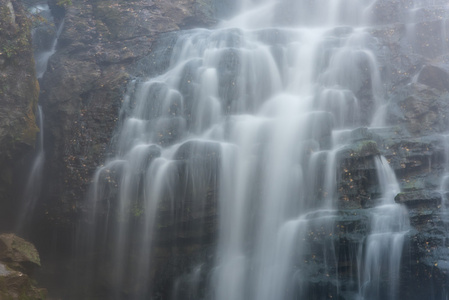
(19, 92)
(18, 258)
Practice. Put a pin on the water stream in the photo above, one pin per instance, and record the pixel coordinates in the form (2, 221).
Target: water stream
(44, 44)
(382, 251)
(33, 185)
(45, 37)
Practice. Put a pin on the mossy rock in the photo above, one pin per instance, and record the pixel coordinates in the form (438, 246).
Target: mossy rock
(360, 149)
(28, 134)
(17, 260)
(366, 148)
(15, 285)
(16, 30)
(18, 254)
(19, 88)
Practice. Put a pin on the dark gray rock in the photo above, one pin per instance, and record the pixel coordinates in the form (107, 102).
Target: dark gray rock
(427, 199)
(82, 90)
(434, 77)
(357, 179)
(18, 258)
(423, 110)
(19, 92)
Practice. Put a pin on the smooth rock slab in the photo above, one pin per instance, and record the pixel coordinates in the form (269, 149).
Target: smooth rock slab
(419, 198)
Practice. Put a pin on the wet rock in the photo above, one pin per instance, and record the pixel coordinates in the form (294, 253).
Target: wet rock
(435, 77)
(427, 254)
(15, 285)
(431, 38)
(18, 258)
(423, 110)
(361, 134)
(428, 199)
(20, 254)
(201, 149)
(399, 63)
(387, 12)
(198, 194)
(44, 29)
(19, 91)
(357, 177)
(159, 58)
(100, 45)
(410, 156)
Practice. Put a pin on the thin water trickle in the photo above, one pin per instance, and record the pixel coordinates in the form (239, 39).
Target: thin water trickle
(444, 183)
(380, 256)
(43, 54)
(33, 186)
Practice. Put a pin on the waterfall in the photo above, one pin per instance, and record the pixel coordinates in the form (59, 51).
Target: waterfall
(249, 122)
(44, 44)
(444, 184)
(33, 186)
(382, 251)
(42, 57)
(443, 190)
(45, 38)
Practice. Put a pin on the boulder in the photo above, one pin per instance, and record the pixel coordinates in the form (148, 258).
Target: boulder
(435, 77)
(18, 253)
(15, 285)
(428, 199)
(17, 260)
(421, 109)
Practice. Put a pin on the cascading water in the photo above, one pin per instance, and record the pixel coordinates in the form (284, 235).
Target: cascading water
(33, 186)
(252, 115)
(444, 184)
(382, 250)
(43, 57)
(44, 44)
(45, 38)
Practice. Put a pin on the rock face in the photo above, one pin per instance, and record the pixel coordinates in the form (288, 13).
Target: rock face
(415, 147)
(18, 259)
(83, 87)
(19, 92)
(82, 91)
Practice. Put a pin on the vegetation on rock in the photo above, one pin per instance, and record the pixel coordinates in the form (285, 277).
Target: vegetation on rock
(19, 91)
(18, 258)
